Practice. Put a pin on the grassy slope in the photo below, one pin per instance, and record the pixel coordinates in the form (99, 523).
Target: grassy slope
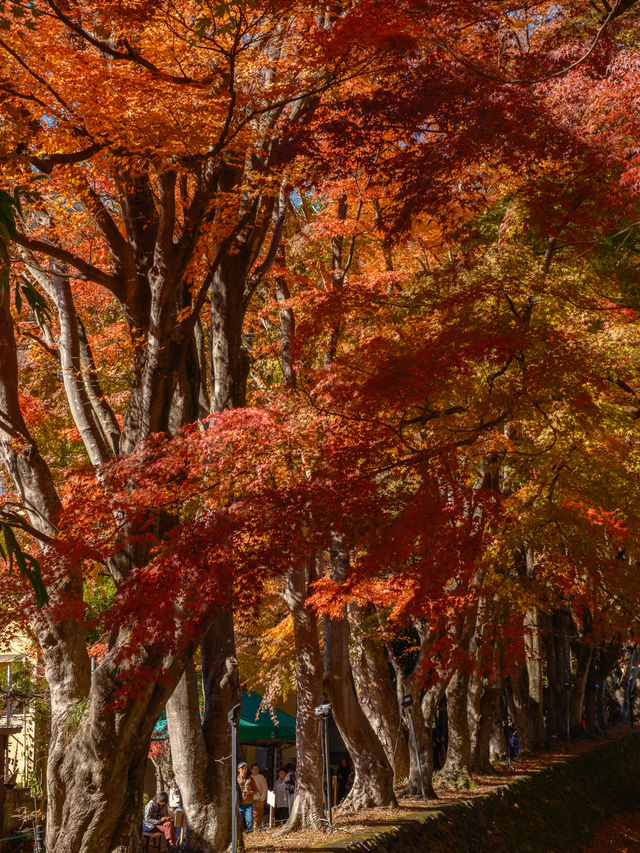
(553, 810)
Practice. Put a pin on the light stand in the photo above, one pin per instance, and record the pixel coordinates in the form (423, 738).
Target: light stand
(233, 722)
(323, 712)
(407, 702)
(6, 769)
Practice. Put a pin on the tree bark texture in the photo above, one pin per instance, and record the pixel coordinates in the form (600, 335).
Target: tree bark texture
(308, 806)
(457, 768)
(484, 696)
(201, 751)
(375, 689)
(373, 775)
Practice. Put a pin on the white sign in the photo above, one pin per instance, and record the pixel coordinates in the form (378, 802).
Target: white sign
(271, 799)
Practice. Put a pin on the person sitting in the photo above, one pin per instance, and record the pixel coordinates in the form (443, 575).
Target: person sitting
(156, 820)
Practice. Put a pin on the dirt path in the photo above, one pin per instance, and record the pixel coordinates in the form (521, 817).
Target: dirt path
(346, 826)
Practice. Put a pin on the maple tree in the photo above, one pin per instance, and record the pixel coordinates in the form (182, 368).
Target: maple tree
(162, 205)
(450, 244)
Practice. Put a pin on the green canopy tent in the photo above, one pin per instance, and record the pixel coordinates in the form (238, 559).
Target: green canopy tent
(263, 726)
(257, 727)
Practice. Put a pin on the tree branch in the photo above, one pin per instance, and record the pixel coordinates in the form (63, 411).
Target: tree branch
(128, 55)
(118, 246)
(87, 271)
(48, 162)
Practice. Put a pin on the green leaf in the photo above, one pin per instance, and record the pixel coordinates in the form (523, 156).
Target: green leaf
(35, 299)
(29, 567)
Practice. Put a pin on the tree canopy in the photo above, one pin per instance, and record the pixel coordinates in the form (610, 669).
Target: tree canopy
(312, 312)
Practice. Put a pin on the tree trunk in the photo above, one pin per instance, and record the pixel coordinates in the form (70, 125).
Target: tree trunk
(558, 670)
(209, 805)
(527, 687)
(102, 409)
(483, 701)
(308, 807)
(84, 416)
(583, 653)
(593, 697)
(373, 776)
(375, 689)
(97, 757)
(484, 687)
(287, 330)
(602, 662)
(201, 752)
(457, 768)
(536, 735)
(423, 712)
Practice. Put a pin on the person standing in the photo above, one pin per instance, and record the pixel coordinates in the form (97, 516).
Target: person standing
(260, 798)
(282, 797)
(156, 820)
(344, 771)
(290, 783)
(248, 789)
(514, 745)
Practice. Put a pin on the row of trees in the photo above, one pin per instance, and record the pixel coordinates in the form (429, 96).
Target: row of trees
(322, 316)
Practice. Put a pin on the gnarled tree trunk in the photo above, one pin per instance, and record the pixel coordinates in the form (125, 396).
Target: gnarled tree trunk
(308, 806)
(201, 751)
(375, 689)
(373, 775)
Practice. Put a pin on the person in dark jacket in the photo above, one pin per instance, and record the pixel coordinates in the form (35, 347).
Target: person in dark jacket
(344, 771)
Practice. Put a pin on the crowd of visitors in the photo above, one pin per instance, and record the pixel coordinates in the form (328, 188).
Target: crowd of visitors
(252, 788)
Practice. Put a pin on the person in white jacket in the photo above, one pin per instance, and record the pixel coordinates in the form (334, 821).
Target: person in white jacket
(260, 797)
